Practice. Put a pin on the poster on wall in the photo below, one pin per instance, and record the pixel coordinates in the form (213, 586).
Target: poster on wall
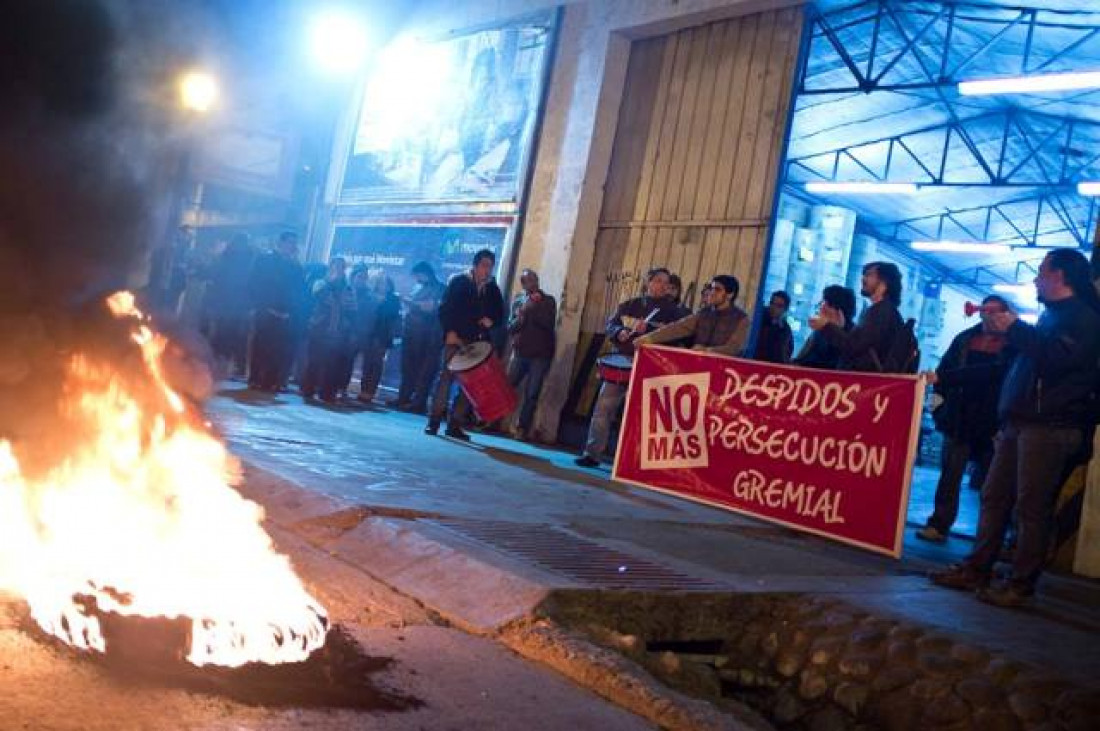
(394, 249)
(450, 120)
(826, 452)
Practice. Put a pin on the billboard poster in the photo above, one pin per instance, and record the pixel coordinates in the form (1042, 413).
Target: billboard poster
(394, 249)
(450, 120)
(826, 452)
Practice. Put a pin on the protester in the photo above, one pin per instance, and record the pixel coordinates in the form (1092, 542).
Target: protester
(631, 319)
(276, 289)
(676, 294)
(471, 306)
(721, 327)
(197, 264)
(866, 346)
(968, 380)
(421, 341)
(330, 334)
(1047, 409)
(837, 306)
(533, 317)
(775, 341)
(379, 321)
(704, 296)
(228, 305)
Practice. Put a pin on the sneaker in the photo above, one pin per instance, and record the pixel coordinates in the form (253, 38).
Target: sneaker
(586, 461)
(931, 534)
(455, 432)
(1009, 595)
(432, 428)
(961, 577)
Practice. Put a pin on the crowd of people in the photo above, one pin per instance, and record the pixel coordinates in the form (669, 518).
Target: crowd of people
(1014, 401)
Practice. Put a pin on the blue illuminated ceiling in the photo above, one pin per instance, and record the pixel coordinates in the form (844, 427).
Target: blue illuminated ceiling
(878, 101)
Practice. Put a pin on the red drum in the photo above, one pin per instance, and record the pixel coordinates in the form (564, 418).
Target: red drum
(615, 368)
(483, 380)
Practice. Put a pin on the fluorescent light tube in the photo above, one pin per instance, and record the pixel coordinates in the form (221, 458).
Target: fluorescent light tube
(1089, 188)
(1031, 84)
(961, 247)
(866, 187)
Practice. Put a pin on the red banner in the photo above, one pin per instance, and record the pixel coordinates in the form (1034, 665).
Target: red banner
(824, 452)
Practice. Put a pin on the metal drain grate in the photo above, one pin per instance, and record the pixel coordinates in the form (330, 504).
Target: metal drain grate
(576, 558)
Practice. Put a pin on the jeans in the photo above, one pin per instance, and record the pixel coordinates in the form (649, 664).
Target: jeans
(374, 360)
(1030, 463)
(606, 410)
(420, 358)
(534, 369)
(957, 454)
(459, 411)
(271, 350)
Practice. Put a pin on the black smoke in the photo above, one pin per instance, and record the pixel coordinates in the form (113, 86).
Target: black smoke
(85, 138)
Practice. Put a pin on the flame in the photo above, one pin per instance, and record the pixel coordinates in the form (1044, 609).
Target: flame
(140, 515)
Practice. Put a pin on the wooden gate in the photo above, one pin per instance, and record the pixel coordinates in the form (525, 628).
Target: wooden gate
(694, 165)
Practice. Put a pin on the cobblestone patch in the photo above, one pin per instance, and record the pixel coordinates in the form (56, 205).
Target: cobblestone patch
(819, 664)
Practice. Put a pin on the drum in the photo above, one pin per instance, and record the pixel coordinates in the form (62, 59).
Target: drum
(615, 368)
(482, 378)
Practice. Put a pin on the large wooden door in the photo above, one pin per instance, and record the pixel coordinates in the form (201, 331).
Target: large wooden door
(694, 164)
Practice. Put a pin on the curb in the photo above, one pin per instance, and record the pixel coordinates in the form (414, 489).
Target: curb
(468, 588)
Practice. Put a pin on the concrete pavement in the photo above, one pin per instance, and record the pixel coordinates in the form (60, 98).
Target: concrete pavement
(499, 510)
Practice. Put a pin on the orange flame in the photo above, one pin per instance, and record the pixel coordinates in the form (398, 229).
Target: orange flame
(141, 516)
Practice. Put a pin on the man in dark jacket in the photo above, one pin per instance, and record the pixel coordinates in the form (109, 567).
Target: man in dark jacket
(866, 346)
(276, 287)
(968, 380)
(775, 341)
(1047, 409)
(421, 340)
(472, 304)
(534, 316)
(632, 318)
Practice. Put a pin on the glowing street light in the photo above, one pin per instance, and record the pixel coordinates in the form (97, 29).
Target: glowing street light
(338, 41)
(198, 91)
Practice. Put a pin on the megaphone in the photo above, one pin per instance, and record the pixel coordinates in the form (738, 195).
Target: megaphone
(971, 309)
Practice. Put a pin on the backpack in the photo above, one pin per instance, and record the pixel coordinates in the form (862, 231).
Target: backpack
(903, 355)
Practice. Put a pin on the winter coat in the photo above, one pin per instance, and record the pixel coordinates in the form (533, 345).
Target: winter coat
(969, 379)
(663, 311)
(1054, 378)
(532, 325)
(877, 327)
(464, 304)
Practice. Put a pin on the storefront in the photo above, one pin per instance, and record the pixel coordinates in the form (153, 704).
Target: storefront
(892, 158)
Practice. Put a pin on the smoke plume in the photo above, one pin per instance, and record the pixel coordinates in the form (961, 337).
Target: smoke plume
(82, 138)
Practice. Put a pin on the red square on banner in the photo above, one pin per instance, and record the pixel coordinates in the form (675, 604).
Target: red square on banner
(826, 452)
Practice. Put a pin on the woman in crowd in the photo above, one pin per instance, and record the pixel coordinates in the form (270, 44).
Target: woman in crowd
(379, 323)
(838, 305)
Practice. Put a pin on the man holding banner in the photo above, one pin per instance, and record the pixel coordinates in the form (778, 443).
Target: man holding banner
(720, 327)
(632, 318)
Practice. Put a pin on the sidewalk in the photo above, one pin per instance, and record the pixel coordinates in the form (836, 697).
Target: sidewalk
(526, 516)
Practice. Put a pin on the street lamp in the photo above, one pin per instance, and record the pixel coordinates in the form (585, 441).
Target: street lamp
(198, 91)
